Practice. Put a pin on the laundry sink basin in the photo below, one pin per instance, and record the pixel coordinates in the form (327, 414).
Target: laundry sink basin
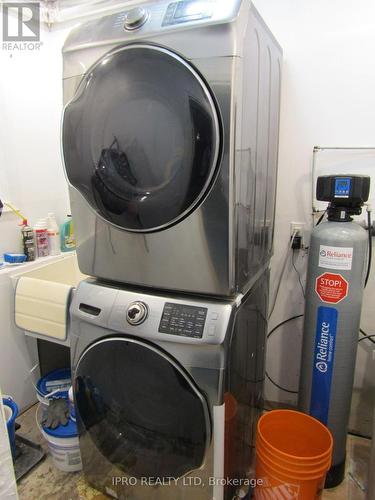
(61, 269)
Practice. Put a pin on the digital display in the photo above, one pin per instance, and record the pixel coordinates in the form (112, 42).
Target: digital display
(183, 12)
(180, 319)
(342, 187)
(191, 9)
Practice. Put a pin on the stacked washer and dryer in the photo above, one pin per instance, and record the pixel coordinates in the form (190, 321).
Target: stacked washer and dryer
(170, 139)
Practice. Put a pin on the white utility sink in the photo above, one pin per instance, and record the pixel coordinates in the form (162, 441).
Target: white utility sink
(60, 269)
(42, 297)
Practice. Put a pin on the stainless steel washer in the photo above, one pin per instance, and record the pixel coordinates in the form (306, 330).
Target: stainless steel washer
(167, 407)
(170, 136)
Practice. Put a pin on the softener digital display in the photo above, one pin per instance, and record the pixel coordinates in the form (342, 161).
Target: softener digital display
(342, 187)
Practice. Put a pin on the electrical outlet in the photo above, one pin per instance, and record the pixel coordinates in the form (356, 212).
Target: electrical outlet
(297, 229)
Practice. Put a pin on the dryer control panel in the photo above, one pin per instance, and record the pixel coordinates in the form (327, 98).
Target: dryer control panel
(145, 20)
(187, 11)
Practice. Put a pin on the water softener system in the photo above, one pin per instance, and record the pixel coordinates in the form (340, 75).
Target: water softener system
(334, 291)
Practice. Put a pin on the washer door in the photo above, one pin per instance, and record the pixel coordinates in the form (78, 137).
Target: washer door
(140, 410)
(141, 138)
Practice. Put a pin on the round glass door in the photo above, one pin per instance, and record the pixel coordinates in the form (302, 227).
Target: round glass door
(141, 138)
(142, 412)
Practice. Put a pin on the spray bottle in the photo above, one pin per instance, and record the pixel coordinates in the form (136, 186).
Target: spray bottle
(28, 241)
(53, 234)
(27, 233)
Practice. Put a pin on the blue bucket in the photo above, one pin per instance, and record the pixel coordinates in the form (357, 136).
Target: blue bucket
(11, 412)
(56, 383)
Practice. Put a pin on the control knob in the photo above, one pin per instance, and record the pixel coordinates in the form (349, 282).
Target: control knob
(135, 18)
(137, 313)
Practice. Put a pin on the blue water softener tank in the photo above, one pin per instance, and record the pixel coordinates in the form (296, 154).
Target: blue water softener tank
(334, 291)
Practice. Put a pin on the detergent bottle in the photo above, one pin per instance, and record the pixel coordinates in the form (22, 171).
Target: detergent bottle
(68, 241)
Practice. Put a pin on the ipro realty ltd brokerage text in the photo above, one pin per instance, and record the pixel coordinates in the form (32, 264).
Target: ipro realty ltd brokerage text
(186, 481)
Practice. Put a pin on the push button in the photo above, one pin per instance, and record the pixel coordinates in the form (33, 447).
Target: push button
(211, 330)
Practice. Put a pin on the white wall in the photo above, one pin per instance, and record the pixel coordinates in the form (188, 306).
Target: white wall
(328, 99)
(31, 105)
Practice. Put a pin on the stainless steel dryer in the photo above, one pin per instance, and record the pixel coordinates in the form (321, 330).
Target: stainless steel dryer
(170, 138)
(167, 389)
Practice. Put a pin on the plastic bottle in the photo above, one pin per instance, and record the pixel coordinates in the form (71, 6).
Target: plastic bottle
(41, 237)
(68, 241)
(53, 233)
(28, 241)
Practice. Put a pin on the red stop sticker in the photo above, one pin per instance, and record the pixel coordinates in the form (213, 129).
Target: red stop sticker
(331, 287)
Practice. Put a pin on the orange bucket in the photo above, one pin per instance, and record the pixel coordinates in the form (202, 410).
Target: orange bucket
(231, 408)
(294, 453)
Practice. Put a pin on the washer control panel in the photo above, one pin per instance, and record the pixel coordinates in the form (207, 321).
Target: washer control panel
(180, 319)
(157, 318)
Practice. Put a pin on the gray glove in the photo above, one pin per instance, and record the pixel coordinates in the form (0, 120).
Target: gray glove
(57, 413)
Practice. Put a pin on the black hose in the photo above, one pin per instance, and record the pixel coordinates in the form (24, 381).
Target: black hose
(367, 337)
(285, 389)
(283, 323)
(369, 228)
(280, 386)
(321, 218)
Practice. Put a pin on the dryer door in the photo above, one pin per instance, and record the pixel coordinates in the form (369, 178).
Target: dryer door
(141, 138)
(138, 410)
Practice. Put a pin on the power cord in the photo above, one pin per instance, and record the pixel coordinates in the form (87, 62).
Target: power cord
(279, 386)
(283, 323)
(282, 274)
(367, 337)
(298, 274)
(268, 336)
(369, 228)
(274, 304)
(321, 218)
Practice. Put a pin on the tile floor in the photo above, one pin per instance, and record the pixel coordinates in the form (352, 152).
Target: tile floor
(353, 488)
(47, 483)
